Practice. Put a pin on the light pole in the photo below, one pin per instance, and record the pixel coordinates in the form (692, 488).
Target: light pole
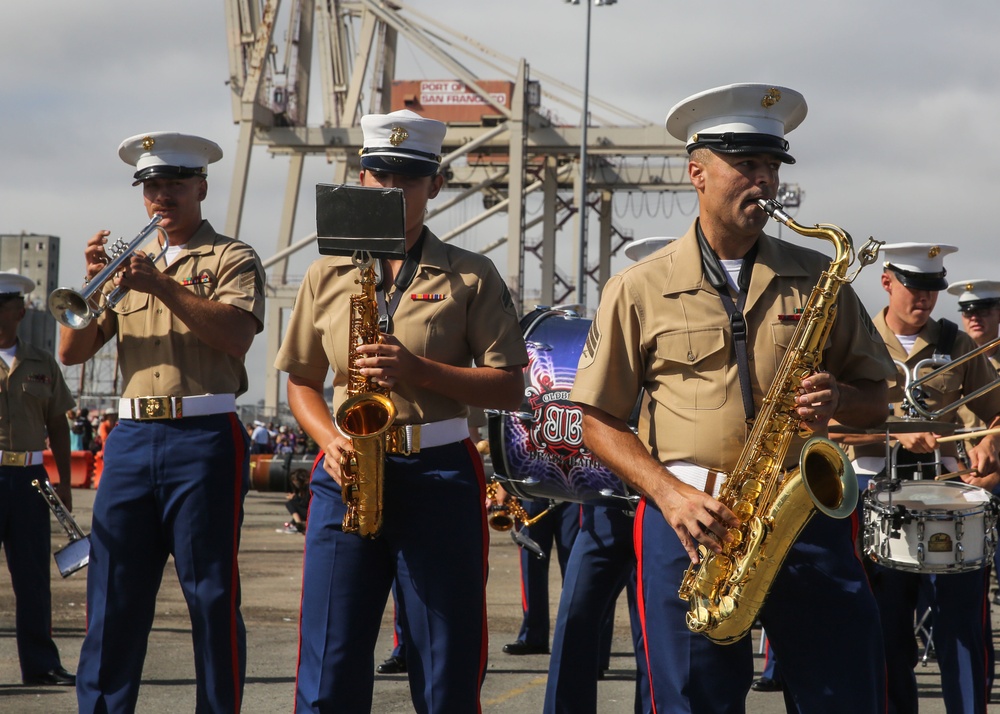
(581, 268)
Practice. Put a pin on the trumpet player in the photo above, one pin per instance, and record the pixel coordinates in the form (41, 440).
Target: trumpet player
(451, 339)
(34, 399)
(176, 466)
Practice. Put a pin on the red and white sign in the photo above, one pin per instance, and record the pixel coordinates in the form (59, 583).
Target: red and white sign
(453, 93)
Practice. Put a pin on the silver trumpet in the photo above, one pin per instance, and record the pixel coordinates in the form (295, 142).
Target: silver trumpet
(76, 308)
(75, 555)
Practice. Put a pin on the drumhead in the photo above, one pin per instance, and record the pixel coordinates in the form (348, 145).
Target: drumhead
(538, 452)
(935, 495)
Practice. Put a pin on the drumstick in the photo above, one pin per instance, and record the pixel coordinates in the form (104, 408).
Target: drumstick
(955, 474)
(970, 435)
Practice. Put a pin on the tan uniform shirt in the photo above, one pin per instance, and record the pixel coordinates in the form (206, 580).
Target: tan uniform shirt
(33, 394)
(662, 327)
(473, 322)
(943, 389)
(158, 354)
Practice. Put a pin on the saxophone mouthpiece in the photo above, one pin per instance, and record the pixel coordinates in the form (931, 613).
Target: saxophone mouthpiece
(774, 210)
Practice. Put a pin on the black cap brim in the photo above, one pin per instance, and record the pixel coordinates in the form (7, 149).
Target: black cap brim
(743, 143)
(977, 305)
(396, 165)
(934, 282)
(177, 172)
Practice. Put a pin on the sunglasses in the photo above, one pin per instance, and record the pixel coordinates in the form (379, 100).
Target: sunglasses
(978, 311)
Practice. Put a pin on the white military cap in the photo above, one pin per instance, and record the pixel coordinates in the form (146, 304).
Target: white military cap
(167, 154)
(402, 142)
(745, 118)
(976, 295)
(918, 265)
(13, 283)
(639, 249)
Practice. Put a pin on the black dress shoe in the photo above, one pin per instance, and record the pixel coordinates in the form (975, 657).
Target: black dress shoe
(521, 647)
(765, 684)
(393, 665)
(56, 677)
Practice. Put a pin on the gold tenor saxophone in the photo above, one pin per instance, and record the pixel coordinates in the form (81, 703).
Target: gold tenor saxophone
(364, 417)
(726, 591)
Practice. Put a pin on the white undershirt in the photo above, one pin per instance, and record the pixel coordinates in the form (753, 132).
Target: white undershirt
(8, 354)
(172, 252)
(907, 341)
(733, 268)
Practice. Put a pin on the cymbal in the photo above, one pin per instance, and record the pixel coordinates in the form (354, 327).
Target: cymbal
(898, 425)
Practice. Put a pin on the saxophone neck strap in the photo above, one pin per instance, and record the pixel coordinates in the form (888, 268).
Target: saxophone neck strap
(407, 272)
(946, 339)
(716, 274)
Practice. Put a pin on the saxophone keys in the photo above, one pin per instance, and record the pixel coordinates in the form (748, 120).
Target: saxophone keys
(698, 619)
(737, 537)
(743, 510)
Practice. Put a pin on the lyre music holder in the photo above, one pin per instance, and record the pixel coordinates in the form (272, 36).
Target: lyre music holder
(360, 219)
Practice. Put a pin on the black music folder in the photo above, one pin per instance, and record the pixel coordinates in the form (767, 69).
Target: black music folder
(360, 219)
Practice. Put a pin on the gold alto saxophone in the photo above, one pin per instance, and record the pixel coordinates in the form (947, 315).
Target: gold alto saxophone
(726, 591)
(364, 417)
(503, 516)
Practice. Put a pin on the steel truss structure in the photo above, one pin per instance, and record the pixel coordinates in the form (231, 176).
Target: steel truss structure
(514, 152)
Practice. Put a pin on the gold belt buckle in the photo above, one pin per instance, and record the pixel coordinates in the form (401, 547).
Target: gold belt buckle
(152, 408)
(15, 458)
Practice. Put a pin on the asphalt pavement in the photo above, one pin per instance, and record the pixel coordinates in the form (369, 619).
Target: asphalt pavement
(271, 563)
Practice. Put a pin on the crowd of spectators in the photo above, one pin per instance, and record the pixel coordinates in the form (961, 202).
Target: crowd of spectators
(88, 431)
(273, 439)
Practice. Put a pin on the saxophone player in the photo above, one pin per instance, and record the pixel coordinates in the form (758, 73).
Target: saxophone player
(34, 400)
(666, 326)
(176, 467)
(451, 341)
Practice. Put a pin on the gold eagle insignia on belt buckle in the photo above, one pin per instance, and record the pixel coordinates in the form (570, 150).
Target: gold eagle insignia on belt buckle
(155, 408)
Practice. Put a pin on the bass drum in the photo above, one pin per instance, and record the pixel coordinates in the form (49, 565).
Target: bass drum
(538, 452)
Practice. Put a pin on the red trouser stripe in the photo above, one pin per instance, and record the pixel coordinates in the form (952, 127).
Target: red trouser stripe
(240, 464)
(640, 514)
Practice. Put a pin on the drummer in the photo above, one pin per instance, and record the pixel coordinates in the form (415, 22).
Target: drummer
(913, 276)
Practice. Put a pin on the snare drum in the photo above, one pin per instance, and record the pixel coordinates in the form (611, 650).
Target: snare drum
(930, 527)
(538, 452)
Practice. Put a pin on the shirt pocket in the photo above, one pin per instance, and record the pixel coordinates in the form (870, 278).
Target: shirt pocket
(692, 367)
(781, 336)
(132, 302)
(37, 392)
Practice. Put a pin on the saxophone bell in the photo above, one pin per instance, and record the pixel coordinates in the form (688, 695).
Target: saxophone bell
(364, 419)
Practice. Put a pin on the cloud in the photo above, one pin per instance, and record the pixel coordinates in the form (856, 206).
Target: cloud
(899, 141)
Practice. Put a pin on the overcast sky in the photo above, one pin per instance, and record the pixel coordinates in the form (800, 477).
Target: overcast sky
(900, 140)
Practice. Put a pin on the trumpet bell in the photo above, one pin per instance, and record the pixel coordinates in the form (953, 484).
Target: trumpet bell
(76, 308)
(73, 557)
(70, 308)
